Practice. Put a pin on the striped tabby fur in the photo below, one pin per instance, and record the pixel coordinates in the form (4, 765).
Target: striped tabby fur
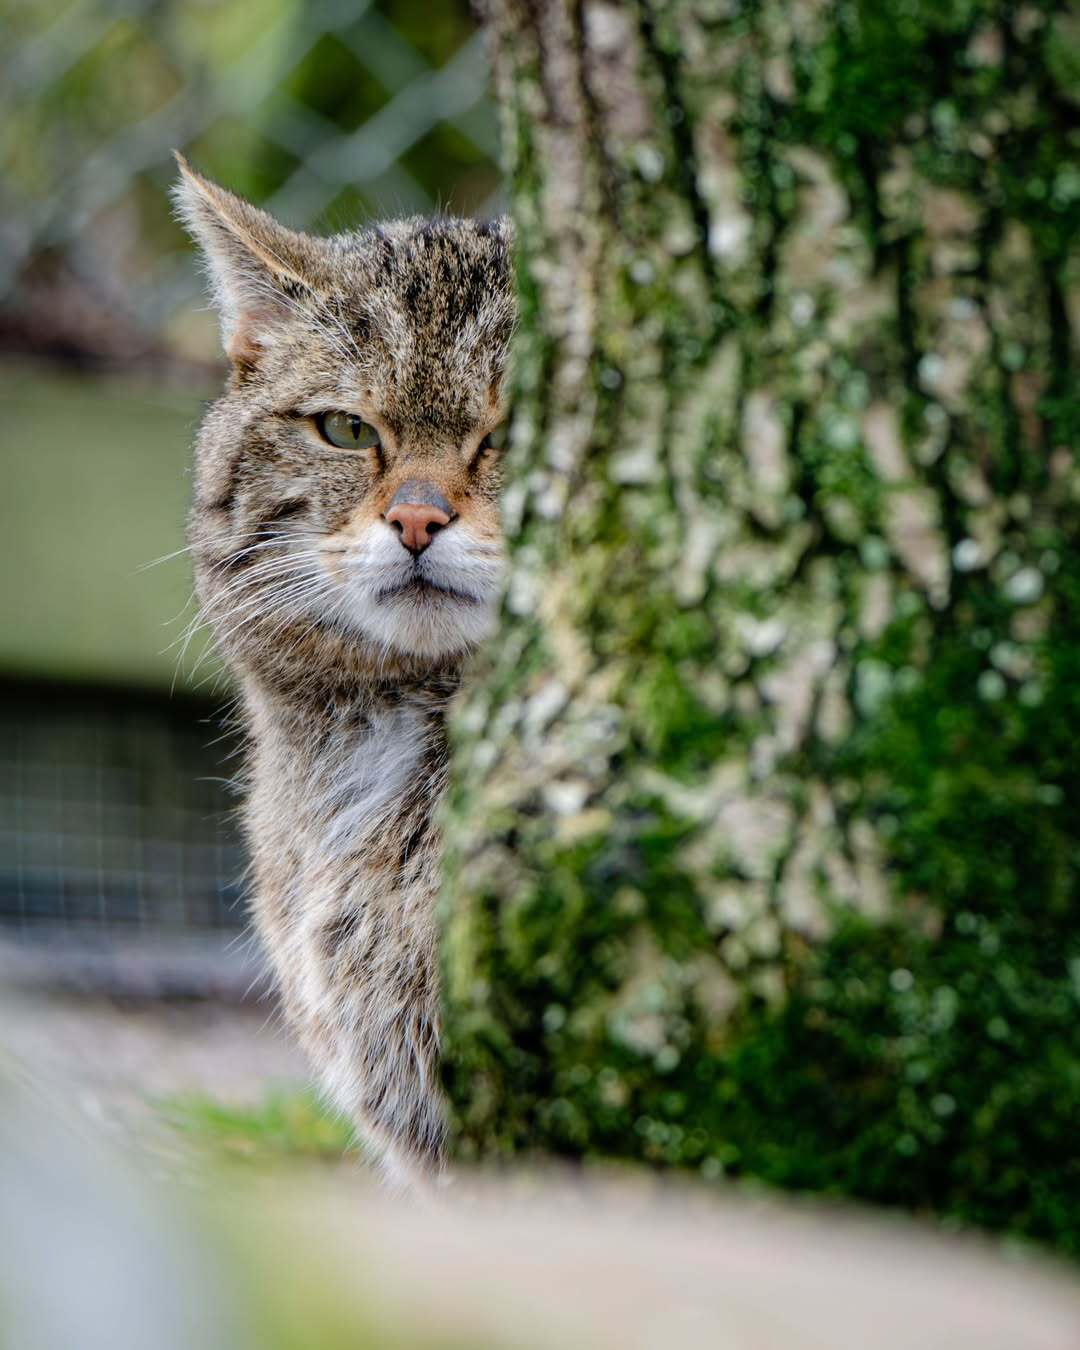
(345, 646)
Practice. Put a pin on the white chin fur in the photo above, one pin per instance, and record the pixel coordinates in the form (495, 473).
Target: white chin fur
(425, 623)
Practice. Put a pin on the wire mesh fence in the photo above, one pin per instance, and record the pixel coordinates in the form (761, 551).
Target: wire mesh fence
(115, 827)
(121, 865)
(327, 112)
(113, 810)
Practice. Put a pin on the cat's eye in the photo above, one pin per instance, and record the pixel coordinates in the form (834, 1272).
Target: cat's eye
(347, 431)
(497, 439)
(494, 440)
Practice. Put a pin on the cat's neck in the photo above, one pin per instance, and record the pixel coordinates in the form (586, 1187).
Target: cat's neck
(346, 766)
(309, 672)
(320, 708)
(348, 753)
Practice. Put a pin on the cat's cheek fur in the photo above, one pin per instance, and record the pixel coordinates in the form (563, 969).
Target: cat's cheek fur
(430, 624)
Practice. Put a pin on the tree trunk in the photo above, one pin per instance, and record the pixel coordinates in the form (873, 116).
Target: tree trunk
(763, 850)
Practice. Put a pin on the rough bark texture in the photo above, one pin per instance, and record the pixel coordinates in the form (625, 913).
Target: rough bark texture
(763, 856)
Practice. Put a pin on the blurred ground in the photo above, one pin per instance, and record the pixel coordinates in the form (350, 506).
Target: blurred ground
(126, 1063)
(309, 1259)
(512, 1261)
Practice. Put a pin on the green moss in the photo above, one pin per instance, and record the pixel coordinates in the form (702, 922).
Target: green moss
(911, 75)
(674, 726)
(933, 1064)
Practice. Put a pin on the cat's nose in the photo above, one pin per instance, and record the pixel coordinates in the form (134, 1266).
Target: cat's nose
(417, 511)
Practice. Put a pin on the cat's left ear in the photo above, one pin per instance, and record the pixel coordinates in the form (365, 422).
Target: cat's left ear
(258, 268)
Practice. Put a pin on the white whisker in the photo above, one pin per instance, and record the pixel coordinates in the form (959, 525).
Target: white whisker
(165, 557)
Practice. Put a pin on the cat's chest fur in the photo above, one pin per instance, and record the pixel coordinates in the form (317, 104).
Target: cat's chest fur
(340, 817)
(341, 809)
(361, 784)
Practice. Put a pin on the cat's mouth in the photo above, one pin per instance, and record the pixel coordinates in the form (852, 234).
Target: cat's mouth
(422, 588)
(429, 606)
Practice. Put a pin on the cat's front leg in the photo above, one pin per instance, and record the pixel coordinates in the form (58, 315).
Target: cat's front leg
(366, 1009)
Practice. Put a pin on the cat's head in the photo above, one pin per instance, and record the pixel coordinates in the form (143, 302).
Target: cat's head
(346, 484)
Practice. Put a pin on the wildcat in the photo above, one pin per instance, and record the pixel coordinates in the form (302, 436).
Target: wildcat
(347, 552)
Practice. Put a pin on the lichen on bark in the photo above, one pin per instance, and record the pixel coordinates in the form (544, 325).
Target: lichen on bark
(760, 853)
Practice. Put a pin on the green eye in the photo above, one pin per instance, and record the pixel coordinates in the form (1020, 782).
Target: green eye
(497, 439)
(346, 431)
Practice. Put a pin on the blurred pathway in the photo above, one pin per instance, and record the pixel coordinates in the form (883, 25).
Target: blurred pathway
(115, 1060)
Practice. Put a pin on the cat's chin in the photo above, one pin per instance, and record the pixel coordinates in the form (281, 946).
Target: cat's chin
(422, 621)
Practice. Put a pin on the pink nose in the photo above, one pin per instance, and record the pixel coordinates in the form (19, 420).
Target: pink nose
(416, 523)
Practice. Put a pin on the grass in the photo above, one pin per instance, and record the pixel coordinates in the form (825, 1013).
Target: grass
(286, 1124)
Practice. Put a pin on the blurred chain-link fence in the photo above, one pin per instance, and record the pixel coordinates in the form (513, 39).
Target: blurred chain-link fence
(115, 823)
(120, 863)
(326, 112)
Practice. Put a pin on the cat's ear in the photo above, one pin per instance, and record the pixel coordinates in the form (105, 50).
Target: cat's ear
(259, 269)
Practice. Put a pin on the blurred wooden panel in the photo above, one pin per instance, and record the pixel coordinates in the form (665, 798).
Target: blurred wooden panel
(96, 483)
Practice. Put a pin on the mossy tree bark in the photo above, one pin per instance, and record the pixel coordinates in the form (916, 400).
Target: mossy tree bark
(763, 850)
